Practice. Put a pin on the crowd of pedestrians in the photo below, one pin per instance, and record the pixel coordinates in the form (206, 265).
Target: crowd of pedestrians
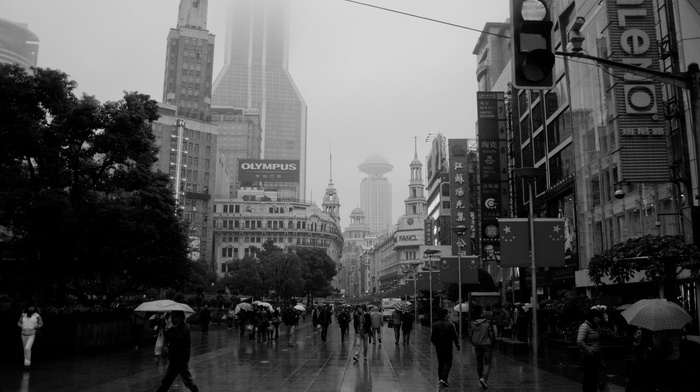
(654, 367)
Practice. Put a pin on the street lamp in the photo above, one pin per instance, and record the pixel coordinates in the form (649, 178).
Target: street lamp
(430, 253)
(460, 231)
(529, 174)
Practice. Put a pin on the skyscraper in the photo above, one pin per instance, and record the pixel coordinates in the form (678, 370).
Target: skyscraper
(189, 62)
(375, 194)
(255, 75)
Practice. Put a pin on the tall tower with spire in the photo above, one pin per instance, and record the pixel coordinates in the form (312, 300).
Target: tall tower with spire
(189, 62)
(416, 204)
(331, 203)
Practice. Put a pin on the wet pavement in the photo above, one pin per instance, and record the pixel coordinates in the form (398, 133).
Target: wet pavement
(223, 361)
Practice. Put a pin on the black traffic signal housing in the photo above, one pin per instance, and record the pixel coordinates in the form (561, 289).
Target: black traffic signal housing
(533, 54)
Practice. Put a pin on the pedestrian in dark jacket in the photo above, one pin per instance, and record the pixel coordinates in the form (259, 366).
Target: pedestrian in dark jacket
(324, 319)
(344, 323)
(588, 340)
(407, 326)
(444, 334)
(178, 338)
(204, 319)
(290, 318)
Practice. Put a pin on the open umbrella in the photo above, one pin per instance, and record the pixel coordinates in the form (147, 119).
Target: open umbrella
(404, 306)
(243, 306)
(164, 305)
(656, 315)
(465, 307)
(300, 307)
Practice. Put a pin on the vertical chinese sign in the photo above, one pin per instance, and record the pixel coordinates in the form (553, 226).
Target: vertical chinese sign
(493, 170)
(459, 191)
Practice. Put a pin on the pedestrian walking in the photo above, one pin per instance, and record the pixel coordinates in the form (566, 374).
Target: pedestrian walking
(178, 338)
(483, 337)
(230, 317)
(376, 317)
(157, 323)
(137, 324)
(324, 320)
(364, 330)
(407, 320)
(667, 345)
(314, 317)
(290, 318)
(30, 322)
(641, 371)
(443, 335)
(276, 320)
(588, 340)
(205, 318)
(263, 324)
(501, 320)
(396, 324)
(344, 323)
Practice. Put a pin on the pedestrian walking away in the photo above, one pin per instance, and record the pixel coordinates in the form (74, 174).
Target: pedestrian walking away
(364, 329)
(407, 320)
(30, 322)
(290, 318)
(344, 323)
(483, 337)
(276, 320)
(642, 369)
(204, 319)
(376, 317)
(396, 324)
(443, 335)
(588, 341)
(178, 338)
(324, 320)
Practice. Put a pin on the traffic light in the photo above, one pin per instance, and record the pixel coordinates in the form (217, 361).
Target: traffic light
(533, 54)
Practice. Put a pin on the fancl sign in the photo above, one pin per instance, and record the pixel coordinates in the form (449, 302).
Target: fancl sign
(267, 170)
(411, 237)
(643, 154)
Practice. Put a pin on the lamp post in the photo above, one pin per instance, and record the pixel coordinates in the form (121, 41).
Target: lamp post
(460, 231)
(529, 174)
(430, 253)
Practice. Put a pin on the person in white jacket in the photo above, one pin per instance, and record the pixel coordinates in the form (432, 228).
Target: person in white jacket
(30, 322)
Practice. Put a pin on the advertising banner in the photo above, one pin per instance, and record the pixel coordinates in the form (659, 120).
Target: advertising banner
(268, 170)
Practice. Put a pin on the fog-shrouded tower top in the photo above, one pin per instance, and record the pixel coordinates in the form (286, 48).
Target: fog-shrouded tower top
(256, 75)
(375, 194)
(375, 166)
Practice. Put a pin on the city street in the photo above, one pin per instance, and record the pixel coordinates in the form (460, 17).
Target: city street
(222, 361)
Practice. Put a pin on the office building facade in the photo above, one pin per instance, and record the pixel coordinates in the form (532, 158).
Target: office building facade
(18, 45)
(189, 62)
(255, 75)
(375, 194)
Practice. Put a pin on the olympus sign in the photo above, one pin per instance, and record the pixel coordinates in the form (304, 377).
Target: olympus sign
(268, 166)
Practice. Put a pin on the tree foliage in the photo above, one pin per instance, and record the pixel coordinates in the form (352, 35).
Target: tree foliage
(78, 196)
(320, 271)
(649, 254)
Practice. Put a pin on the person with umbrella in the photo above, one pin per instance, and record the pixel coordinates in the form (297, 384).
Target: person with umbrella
(178, 338)
(588, 341)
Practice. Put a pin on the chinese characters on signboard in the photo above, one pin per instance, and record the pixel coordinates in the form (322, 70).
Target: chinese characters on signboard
(459, 192)
(493, 169)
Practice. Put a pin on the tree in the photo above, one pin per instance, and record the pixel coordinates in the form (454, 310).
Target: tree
(319, 272)
(78, 196)
(245, 276)
(661, 258)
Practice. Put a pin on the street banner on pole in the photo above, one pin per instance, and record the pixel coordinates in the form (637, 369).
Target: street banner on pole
(449, 269)
(515, 242)
(550, 237)
(423, 281)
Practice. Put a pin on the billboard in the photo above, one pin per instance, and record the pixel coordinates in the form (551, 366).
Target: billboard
(268, 170)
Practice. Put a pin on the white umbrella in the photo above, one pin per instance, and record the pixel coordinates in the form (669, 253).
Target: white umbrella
(164, 305)
(300, 307)
(243, 305)
(265, 304)
(465, 307)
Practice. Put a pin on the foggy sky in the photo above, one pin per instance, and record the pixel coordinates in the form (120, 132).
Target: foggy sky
(372, 80)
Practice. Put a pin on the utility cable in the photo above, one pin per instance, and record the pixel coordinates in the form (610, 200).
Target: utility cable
(428, 19)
